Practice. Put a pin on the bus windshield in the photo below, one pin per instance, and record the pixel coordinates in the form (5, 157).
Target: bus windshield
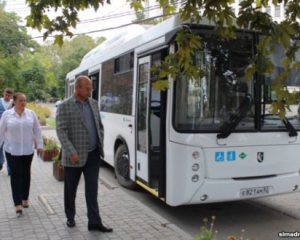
(206, 104)
(270, 121)
(223, 95)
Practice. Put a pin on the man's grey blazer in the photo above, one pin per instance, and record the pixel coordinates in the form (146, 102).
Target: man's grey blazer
(73, 134)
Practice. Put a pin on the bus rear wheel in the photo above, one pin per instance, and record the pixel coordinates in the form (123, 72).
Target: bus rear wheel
(122, 167)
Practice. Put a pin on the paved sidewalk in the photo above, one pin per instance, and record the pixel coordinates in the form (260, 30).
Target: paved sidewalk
(45, 219)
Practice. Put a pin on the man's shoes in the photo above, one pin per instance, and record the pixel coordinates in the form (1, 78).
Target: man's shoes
(70, 223)
(99, 228)
(1, 166)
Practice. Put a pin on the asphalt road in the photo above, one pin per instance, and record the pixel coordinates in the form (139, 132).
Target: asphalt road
(261, 218)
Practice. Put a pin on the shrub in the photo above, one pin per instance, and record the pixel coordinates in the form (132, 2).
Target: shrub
(50, 143)
(41, 112)
(43, 122)
(208, 233)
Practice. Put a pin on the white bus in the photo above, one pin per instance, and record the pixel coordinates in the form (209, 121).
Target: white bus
(203, 140)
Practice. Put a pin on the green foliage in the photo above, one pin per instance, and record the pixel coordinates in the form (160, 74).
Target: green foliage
(38, 71)
(14, 43)
(34, 82)
(179, 62)
(61, 60)
(161, 85)
(207, 232)
(41, 75)
(14, 39)
(68, 18)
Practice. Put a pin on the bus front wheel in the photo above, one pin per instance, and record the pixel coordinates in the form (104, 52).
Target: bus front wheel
(122, 167)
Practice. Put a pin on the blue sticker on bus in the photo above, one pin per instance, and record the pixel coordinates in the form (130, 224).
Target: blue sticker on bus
(219, 156)
(231, 156)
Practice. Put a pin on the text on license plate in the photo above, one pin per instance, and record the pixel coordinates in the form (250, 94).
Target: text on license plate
(248, 192)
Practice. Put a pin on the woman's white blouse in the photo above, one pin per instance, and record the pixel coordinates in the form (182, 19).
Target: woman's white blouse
(19, 133)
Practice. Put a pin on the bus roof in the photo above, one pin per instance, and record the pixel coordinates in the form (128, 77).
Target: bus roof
(130, 38)
(124, 36)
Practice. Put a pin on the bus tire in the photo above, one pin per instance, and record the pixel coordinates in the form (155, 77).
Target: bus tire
(122, 167)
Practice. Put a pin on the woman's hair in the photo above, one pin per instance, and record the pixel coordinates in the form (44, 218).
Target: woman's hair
(16, 95)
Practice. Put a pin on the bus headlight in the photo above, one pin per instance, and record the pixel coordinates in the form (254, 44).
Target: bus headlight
(195, 154)
(195, 167)
(204, 197)
(195, 178)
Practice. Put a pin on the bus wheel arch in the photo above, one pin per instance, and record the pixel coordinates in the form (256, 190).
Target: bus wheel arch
(122, 165)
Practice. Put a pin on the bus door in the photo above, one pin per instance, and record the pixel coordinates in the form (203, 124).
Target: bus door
(150, 164)
(95, 81)
(142, 142)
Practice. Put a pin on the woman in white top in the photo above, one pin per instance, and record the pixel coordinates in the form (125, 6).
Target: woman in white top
(20, 131)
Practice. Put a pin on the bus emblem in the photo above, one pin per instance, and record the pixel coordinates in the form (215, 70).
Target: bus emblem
(260, 157)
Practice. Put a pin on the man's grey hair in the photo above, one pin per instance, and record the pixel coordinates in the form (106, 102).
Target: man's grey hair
(79, 79)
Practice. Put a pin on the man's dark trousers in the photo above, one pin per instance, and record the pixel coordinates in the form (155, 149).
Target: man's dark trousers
(91, 174)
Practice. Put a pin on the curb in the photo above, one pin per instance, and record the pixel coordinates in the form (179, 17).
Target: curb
(46, 205)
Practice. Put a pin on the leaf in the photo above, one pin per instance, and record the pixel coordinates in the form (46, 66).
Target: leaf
(58, 39)
(296, 66)
(45, 35)
(258, 3)
(250, 70)
(161, 85)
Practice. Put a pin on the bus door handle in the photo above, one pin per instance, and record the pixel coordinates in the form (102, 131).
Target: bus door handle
(130, 125)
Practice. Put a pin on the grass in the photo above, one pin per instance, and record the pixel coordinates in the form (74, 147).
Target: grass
(51, 122)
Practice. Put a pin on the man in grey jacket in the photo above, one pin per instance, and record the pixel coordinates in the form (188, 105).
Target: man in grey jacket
(80, 132)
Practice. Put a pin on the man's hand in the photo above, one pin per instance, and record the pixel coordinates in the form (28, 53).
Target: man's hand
(74, 158)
